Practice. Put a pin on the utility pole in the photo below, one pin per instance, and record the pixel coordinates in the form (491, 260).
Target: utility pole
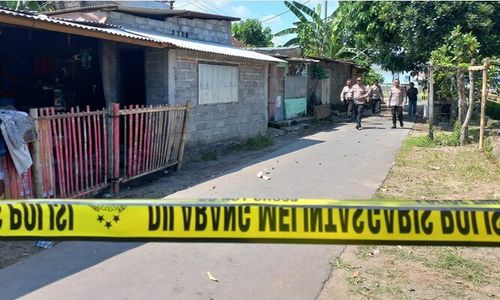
(326, 10)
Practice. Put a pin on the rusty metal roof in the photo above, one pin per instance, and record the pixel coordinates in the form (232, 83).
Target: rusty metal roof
(24, 16)
(127, 35)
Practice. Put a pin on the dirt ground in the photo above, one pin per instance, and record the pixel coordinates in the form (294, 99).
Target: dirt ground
(14, 251)
(396, 272)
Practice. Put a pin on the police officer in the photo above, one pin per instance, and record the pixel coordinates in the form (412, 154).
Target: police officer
(376, 97)
(346, 98)
(397, 96)
(360, 95)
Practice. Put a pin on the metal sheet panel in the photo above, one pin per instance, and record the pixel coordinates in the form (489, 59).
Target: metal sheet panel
(217, 84)
(204, 46)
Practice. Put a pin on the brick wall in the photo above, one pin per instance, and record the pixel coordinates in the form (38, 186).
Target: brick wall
(196, 29)
(213, 126)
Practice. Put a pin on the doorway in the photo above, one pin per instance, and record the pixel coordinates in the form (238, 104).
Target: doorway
(133, 79)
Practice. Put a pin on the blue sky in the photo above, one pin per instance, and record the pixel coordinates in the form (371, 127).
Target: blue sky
(257, 9)
(268, 11)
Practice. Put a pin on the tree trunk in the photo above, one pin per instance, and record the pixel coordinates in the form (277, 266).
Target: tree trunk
(462, 106)
(464, 131)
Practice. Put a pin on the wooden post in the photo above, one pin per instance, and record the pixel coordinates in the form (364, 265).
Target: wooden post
(116, 148)
(110, 141)
(430, 100)
(184, 134)
(37, 163)
(484, 98)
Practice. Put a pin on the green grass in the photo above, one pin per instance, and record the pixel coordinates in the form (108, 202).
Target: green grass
(451, 260)
(257, 143)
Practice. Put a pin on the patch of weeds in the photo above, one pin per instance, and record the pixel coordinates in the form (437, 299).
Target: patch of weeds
(449, 139)
(210, 155)
(389, 197)
(258, 142)
(363, 250)
(460, 266)
(339, 264)
(394, 291)
(488, 150)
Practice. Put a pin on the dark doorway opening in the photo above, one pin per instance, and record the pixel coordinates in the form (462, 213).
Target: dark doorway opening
(133, 78)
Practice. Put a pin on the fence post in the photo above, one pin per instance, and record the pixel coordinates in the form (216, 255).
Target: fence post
(37, 163)
(484, 99)
(116, 148)
(184, 134)
(430, 100)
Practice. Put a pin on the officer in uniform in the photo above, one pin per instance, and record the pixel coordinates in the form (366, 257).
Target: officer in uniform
(346, 98)
(360, 94)
(397, 96)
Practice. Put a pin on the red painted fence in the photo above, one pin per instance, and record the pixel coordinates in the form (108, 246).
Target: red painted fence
(80, 153)
(72, 151)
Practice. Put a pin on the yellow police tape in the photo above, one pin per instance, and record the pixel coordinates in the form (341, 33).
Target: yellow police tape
(257, 220)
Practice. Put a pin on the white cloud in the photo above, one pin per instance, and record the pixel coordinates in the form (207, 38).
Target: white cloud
(241, 11)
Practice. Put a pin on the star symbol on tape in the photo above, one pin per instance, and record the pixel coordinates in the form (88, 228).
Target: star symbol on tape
(100, 218)
(108, 224)
(116, 218)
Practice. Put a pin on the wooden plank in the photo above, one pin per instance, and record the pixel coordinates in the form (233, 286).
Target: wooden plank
(74, 157)
(132, 111)
(80, 150)
(184, 134)
(116, 148)
(90, 149)
(60, 158)
(51, 157)
(105, 143)
(140, 153)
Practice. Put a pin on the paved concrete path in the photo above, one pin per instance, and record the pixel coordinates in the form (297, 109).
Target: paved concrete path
(339, 163)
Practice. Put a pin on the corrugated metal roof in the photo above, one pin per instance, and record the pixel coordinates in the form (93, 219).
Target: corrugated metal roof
(44, 18)
(161, 40)
(204, 46)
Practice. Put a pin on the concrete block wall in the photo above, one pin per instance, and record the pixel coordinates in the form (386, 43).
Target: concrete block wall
(156, 72)
(197, 29)
(340, 73)
(213, 126)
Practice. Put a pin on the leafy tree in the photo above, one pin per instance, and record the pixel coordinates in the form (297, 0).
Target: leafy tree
(39, 6)
(402, 34)
(453, 58)
(251, 33)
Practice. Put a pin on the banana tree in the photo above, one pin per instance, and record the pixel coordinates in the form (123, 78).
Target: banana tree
(318, 36)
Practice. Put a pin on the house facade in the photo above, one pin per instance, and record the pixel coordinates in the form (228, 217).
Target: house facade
(303, 93)
(175, 56)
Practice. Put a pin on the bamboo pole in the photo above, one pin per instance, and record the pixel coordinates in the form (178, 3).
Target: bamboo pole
(37, 165)
(110, 141)
(431, 102)
(484, 98)
(184, 134)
